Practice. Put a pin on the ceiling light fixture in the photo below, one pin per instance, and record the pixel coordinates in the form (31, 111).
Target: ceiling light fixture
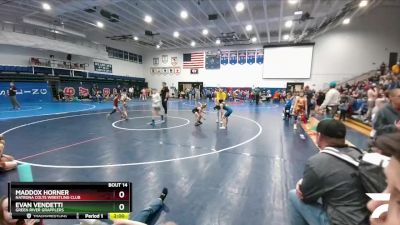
(205, 31)
(293, 2)
(363, 3)
(157, 46)
(135, 38)
(239, 6)
(253, 39)
(176, 34)
(346, 21)
(46, 6)
(286, 37)
(99, 24)
(148, 19)
(193, 43)
(288, 23)
(218, 42)
(298, 12)
(249, 27)
(184, 14)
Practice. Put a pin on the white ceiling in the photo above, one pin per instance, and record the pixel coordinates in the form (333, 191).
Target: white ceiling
(267, 17)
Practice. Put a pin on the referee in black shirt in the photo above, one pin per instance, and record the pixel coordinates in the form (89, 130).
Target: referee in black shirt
(164, 96)
(12, 92)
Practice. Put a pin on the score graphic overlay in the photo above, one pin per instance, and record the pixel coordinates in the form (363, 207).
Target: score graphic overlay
(70, 200)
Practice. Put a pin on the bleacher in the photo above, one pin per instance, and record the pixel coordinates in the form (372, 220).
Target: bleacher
(49, 71)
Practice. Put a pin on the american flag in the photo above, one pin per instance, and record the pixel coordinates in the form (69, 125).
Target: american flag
(193, 60)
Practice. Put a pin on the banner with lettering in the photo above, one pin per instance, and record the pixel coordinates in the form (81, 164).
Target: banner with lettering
(251, 57)
(76, 89)
(242, 57)
(224, 57)
(26, 92)
(260, 56)
(233, 57)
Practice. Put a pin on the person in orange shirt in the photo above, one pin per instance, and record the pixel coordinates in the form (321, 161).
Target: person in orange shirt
(300, 110)
(277, 97)
(396, 68)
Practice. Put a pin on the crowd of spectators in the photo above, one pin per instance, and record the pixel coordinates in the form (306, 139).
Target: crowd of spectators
(364, 98)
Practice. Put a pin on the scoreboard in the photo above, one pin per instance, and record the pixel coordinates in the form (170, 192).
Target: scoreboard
(70, 200)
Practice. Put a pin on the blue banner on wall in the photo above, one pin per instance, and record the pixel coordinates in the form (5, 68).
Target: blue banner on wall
(251, 56)
(242, 57)
(260, 56)
(212, 62)
(224, 57)
(233, 57)
(26, 92)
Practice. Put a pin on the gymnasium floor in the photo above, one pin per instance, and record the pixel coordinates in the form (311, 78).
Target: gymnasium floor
(227, 177)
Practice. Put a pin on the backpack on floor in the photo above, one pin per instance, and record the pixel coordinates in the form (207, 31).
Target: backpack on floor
(369, 166)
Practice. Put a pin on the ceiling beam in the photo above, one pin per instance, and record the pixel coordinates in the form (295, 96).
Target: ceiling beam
(176, 13)
(280, 22)
(265, 7)
(198, 22)
(174, 42)
(220, 15)
(134, 26)
(178, 42)
(252, 21)
(206, 15)
(237, 18)
(314, 10)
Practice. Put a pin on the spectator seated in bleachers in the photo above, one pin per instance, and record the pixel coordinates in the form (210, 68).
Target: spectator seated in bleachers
(330, 181)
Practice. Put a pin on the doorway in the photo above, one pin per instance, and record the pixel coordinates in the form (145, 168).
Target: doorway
(292, 87)
(184, 86)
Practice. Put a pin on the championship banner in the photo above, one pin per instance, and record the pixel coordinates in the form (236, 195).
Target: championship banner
(242, 57)
(224, 57)
(164, 59)
(213, 62)
(152, 71)
(174, 61)
(164, 71)
(260, 56)
(232, 57)
(177, 70)
(155, 61)
(251, 57)
(26, 92)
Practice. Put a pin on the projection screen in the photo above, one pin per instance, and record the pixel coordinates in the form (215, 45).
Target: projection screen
(289, 62)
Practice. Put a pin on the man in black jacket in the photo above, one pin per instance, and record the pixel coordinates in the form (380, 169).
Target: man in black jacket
(330, 192)
(388, 118)
(12, 92)
(164, 97)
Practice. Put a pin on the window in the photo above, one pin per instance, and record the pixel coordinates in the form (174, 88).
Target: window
(115, 53)
(123, 55)
(110, 52)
